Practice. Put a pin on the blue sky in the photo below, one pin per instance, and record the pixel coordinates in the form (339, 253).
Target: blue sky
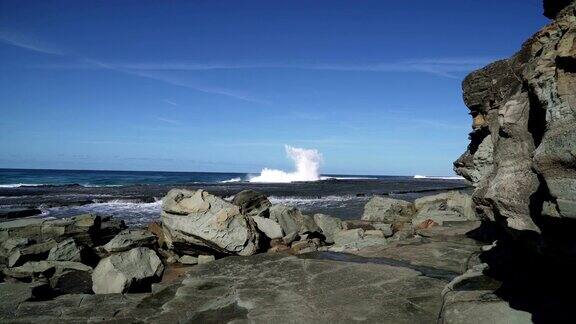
(223, 85)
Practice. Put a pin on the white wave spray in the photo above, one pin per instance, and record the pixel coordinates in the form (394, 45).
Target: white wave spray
(307, 163)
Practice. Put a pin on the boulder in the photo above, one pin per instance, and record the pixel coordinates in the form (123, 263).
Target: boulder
(156, 229)
(66, 250)
(129, 239)
(269, 227)
(203, 259)
(292, 220)
(88, 230)
(197, 218)
(188, 259)
(35, 270)
(329, 226)
(388, 210)
(130, 271)
(33, 252)
(451, 206)
(358, 223)
(72, 281)
(385, 228)
(356, 239)
(252, 203)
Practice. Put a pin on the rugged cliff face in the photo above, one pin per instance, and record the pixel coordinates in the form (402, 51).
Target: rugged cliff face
(522, 154)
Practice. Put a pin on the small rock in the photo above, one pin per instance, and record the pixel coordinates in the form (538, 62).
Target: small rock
(377, 233)
(202, 259)
(34, 252)
(304, 247)
(129, 239)
(72, 281)
(35, 270)
(276, 242)
(426, 224)
(388, 210)
(355, 239)
(329, 226)
(290, 237)
(269, 227)
(385, 228)
(450, 206)
(188, 259)
(156, 229)
(252, 203)
(357, 223)
(279, 248)
(66, 250)
(130, 271)
(292, 220)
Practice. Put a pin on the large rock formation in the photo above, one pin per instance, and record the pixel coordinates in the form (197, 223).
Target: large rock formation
(522, 155)
(200, 220)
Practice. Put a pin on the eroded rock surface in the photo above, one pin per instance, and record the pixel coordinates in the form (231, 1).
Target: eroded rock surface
(522, 151)
(199, 219)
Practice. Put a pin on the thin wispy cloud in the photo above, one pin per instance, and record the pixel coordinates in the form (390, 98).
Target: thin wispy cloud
(170, 102)
(445, 67)
(194, 86)
(28, 43)
(168, 120)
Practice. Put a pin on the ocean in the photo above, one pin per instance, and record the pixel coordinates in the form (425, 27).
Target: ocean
(135, 196)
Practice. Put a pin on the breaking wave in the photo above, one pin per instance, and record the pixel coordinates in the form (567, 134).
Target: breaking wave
(232, 180)
(438, 178)
(306, 162)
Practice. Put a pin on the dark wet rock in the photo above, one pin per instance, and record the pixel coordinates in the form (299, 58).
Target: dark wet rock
(71, 281)
(129, 239)
(130, 271)
(199, 219)
(553, 7)
(252, 203)
(11, 213)
(388, 210)
(472, 295)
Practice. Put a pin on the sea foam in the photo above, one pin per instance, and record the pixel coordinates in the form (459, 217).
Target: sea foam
(306, 162)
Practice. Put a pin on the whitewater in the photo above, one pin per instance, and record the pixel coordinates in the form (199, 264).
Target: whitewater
(307, 167)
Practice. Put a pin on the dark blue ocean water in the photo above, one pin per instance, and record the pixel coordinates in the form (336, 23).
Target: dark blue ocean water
(19, 177)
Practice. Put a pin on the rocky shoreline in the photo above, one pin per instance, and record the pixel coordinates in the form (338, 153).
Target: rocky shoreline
(214, 260)
(506, 254)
